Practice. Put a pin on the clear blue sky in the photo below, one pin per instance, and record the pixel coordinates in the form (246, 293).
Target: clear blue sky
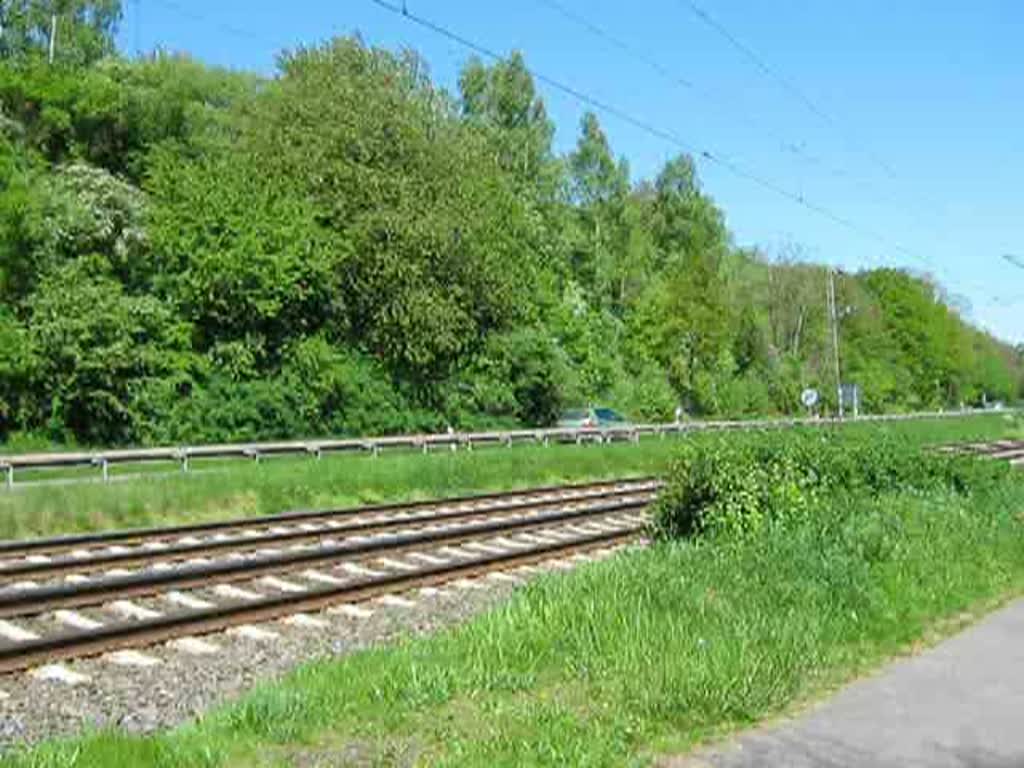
(925, 141)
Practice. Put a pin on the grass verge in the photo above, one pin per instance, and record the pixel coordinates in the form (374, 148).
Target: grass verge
(232, 489)
(652, 651)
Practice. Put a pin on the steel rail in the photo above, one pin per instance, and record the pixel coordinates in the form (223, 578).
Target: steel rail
(141, 555)
(1002, 452)
(997, 449)
(36, 600)
(17, 547)
(130, 634)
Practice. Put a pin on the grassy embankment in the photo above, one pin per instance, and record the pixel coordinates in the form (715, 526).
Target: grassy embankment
(229, 489)
(806, 562)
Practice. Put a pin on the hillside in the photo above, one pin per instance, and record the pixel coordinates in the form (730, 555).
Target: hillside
(191, 254)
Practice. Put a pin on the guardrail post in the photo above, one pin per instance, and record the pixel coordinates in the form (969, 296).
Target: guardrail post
(104, 468)
(8, 475)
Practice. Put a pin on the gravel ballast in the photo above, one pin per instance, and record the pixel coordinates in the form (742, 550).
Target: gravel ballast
(183, 685)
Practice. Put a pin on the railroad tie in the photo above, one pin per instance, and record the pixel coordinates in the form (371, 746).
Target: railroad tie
(397, 565)
(394, 601)
(252, 632)
(194, 646)
(187, 601)
(305, 621)
(131, 658)
(15, 633)
(129, 610)
(429, 559)
(323, 578)
(358, 570)
(76, 620)
(352, 611)
(505, 577)
(58, 673)
(19, 586)
(432, 592)
(235, 593)
(280, 584)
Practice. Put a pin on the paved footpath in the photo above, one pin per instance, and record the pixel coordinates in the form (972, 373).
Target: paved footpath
(958, 705)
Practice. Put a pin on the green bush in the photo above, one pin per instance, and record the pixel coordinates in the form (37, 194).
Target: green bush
(739, 484)
(343, 246)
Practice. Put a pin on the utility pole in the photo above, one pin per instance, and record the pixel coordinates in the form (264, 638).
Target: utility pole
(834, 318)
(53, 35)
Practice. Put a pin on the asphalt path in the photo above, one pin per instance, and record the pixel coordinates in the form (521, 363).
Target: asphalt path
(957, 705)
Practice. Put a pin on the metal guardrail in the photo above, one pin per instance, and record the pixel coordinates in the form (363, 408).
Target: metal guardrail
(450, 440)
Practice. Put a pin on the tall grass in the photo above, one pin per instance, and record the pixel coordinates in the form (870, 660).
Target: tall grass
(244, 489)
(283, 484)
(651, 651)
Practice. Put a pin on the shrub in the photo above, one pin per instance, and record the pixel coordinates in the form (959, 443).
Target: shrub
(739, 484)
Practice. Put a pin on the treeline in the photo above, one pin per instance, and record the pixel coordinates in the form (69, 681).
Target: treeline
(191, 254)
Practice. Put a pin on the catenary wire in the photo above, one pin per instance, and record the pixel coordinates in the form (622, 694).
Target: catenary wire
(653, 130)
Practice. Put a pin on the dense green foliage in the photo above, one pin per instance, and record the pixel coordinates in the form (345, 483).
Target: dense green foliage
(649, 652)
(750, 483)
(193, 254)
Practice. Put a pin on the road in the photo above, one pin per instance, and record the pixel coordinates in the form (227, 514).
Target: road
(958, 705)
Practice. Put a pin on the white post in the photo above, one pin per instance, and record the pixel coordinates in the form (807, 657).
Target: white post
(835, 335)
(53, 35)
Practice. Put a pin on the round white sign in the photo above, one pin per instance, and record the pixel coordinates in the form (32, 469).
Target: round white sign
(809, 397)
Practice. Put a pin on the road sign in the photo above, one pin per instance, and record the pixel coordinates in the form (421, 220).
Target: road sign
(809, 397)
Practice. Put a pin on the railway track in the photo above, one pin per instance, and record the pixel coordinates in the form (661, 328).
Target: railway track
(1011, 451)
(71, 597)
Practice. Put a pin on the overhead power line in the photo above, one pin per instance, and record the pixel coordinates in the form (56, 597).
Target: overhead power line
(651, 129)
(786, 143)
(671, 76)
(797, 93)
(230, 29)
(757, 60)
(663, 134)
(1017, 261)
